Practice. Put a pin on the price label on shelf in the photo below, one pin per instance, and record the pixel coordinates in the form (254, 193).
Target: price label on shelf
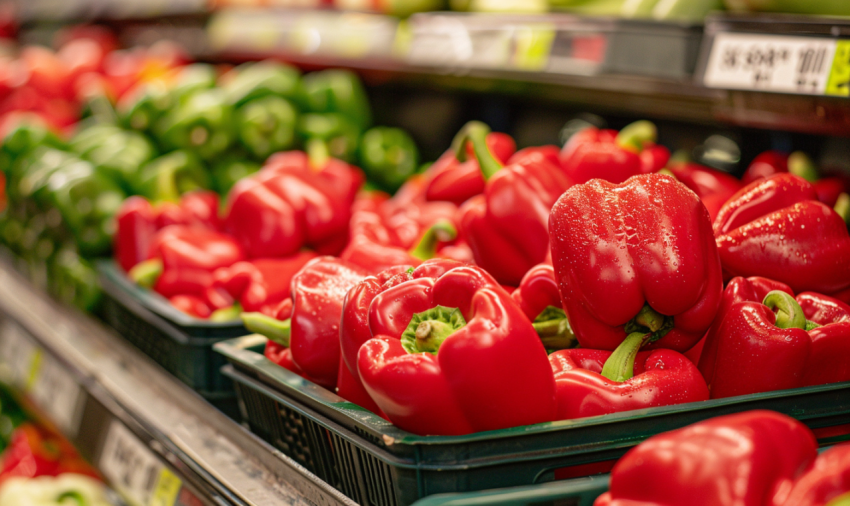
(135, 471)
(783, 64)
(17, 352)
(56, 392)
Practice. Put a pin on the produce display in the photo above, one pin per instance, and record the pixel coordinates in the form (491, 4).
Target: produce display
(253, 219)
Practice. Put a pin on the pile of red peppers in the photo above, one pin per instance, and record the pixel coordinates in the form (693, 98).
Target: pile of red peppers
(500, 288)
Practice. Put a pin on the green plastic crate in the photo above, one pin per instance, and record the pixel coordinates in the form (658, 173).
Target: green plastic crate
(182, 345)
(378, 464)
(576, 492)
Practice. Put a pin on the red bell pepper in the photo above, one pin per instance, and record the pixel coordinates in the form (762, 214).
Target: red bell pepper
(732, 460)
(289, 205)
(829, 189)
(639, 256)
(549, 152)
(457, 181)
(826, 483)
(712, 186)
(310, 327)
(538, 297)
(653, 158)
(765, 165)
(507, 226)
(830, 337)
(256, 285)
(753, 289)
(34, 452)
(376, 257)
(775, 228)
(138, 222)
(596, 382)
(606, 154)
(448, 351)
(182, 260)
(192, 305)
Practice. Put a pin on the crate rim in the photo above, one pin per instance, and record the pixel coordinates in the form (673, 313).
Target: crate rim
(237, 350)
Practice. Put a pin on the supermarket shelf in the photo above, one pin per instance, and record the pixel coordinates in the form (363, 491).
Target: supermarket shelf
(154, 440)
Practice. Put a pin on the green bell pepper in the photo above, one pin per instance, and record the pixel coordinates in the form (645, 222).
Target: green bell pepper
(88, 201)
(388, 156)
(202, 124)
(92, 135)
(251, 81)
(192, 79)
(229, 171)
(338, 91)
(74, 280)
(169, 176)
(32, 185)
(266, 125)
(141, 109)
(328, 134)
(121, 156)
(23, 138)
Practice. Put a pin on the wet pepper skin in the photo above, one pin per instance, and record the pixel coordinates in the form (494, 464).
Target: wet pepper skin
(492, 373)
(661, 378)
(618, 247)
(776, 228)
(730, 460)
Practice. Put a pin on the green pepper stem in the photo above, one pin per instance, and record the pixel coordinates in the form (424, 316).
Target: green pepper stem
(441, 231)
(801, 165)
(620, 366)
(318, 153)
(226, 314)
(554, 329)
(667, 172)
(475, 132)
(166, 185)
(274, 329)
(427, 330)
(635, 135)
(842, 207)
(146, 274)
(789, 314)
(810, 325)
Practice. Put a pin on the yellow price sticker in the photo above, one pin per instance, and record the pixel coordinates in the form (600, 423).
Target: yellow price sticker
(533, 45)
(166, 490)
(839, 76)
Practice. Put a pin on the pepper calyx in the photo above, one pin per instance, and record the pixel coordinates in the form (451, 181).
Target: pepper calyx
(633, 136)
(554, 329)
(146, 273)
(650, 321)
(427, 330)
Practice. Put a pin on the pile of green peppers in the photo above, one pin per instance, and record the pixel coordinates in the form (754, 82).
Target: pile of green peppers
(199, 131)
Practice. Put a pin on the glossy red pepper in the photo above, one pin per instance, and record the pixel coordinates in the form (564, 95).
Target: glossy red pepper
(455, 181)
(450, 352)
(376, 257)
(730, 460)
(653, 158)
(829, 189)
(311, 329)
(507, 226)
(764, 165)
(549, 152)
(539, 299)
(590, 383)
(753, 289)
(192, 305)
(827, 361)
(257, 285)
(289, 205)
(182, 259)
(826, 483)
(775, 228)
(138, 221)
(713, 187)
(635, 256)
(606, 154)
(34, 452)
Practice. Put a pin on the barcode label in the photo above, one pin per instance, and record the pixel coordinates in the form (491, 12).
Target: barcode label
(799, 65)
(56, 392)
(135, 472)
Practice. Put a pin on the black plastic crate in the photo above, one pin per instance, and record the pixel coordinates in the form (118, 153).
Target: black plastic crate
(182, 345)
(377, 464)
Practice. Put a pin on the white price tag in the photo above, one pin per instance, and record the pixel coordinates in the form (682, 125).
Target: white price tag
(17, 352)
(770, 63)
(134, 471)
(56, 392)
